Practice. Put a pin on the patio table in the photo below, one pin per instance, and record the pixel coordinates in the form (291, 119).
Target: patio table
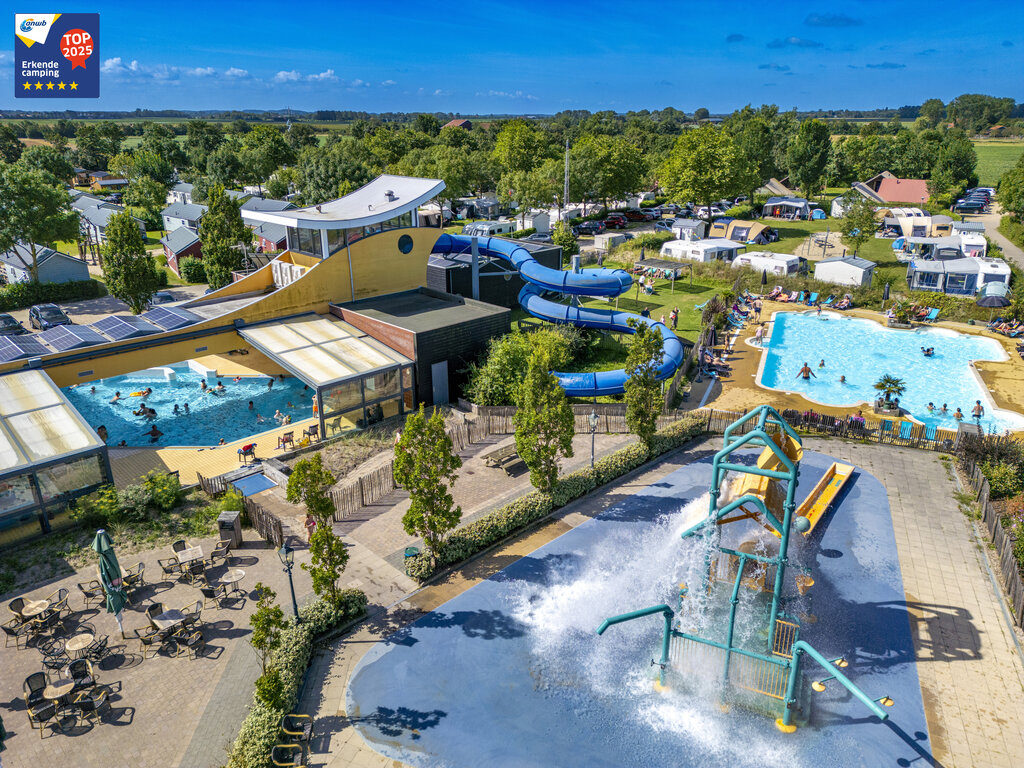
(79, 643)
(233, 578)
(189, 555)
(34, 608)
(59, 688)
(168, 619)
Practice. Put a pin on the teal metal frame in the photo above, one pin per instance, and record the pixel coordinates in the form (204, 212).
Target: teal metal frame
(766, 418)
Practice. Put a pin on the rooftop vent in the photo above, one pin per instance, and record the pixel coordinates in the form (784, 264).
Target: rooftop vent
(390, 196)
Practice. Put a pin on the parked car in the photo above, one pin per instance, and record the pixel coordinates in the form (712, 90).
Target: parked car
(655, 211)
(663, 226)
(43, 316)
(9, 326)
(671, 208)
(740, 199)
(590, 228)
(702, 212)
(161, 297)
(616, 221)
(635, 214)
(969, 206)
(538, 237)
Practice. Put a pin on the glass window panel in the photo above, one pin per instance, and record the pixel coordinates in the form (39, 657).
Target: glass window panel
(70, 477)
(342, 397)
(25, 392)
(407, 377)
(335, 240)
(381, 385)
(10, 455)
(51, 432)
(408, 397)
(293, 239)
(16, 493)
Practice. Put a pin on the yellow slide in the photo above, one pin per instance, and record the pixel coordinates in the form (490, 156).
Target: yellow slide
(818, 500)
(793, 450)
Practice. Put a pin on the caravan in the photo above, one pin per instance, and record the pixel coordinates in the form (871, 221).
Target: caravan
(772, 263)
(701, 250)
(489, 228)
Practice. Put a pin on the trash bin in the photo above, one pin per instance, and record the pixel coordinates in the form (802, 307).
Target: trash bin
(229, 524)
(409, 553)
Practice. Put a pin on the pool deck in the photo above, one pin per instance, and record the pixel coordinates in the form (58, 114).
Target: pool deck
(740, 392)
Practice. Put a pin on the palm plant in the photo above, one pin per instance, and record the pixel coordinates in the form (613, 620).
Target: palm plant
(891, 386)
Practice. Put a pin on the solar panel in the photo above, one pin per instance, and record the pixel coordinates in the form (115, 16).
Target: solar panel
(18, 347)
(171, 318)
(119, 327)
(64, 337)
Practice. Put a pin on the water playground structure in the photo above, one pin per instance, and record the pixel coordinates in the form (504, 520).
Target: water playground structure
(761, 670)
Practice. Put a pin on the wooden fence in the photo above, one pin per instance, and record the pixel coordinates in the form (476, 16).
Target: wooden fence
(264, 521)
(1009, 569)
(212, 486)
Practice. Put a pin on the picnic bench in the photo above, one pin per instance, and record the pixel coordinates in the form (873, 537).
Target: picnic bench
(502, 457)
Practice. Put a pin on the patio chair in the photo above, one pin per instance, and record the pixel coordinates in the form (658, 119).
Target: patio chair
(335, 425)
(81, 672)
(154, 610)
(54, 655)
(98, 648)
(192, 640)
(92, 590)
(58, 601)
(170, 567)
(40, 713)
(285, 440)
(148, 639)
(33, 688)
(18, 629)
(192, 612)
(221, 551)
(313, 433)
(800, 298)
(931, 317)
(297, 729)
(47, 623)
(216, 594)
(135, 576)
(247, 452)
(828, 302)
(287, 756)
(179, 545)
(16, 605)
(196, 572)
(811, 299)
(89, 703)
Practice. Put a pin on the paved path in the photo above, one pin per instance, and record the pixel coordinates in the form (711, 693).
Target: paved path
(1010, 251)
(90, 310)
(970, 671)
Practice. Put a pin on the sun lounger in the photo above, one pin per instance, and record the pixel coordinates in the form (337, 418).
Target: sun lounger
(906, 430)
(800, 298)
(931, 316)
(811, 299)
(828, 302)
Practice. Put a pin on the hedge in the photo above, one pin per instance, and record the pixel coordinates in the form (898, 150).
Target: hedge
(261, 728)
(192, 270)
(513, 517)
(21, 295)
(520, 233)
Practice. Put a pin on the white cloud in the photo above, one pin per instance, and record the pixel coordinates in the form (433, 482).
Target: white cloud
(236, 72)
(287, 76)
(325, 76)
(507, 95)
(357, 83)
(440, 92)
(201, 71)
(116, 66)
(388, 83)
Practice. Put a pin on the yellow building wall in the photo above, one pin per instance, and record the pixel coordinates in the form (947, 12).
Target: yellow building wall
(377, 266)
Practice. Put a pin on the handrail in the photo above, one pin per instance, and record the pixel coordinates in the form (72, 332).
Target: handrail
(801, 646)
(666, 637)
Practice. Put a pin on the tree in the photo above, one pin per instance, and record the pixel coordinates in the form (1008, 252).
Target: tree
(129, 272)
(299, 136)
(891, 386)
(544, 423)
(146, 197)
(701, 113)
(1011, 191)
(958, 158)
(201, 138)
(858, 222)
(426, 466)
(49, 160)
(563, 237)
(530, 188)
(517, 146)
(309, 484)
(602, 168)
(933, 110)
(96, 143)
(159, 138)
(973, 112)
(808, 155)
(33, 211)
(427, 124)
(703, 166)
(224, 165)
(10, 147)
(266, 621)
(221, 230)
(643, 390)
(264, 150)
(322, 170)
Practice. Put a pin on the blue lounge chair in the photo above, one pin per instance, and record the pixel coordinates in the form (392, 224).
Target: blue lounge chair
(929, 433)
(701, 306)
(885, 428)
(829, 300)
(931, 316)
(800, 298)
(811, 299)
(906, 430)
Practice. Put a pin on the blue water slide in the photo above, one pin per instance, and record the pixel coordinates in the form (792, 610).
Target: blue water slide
(590, 282)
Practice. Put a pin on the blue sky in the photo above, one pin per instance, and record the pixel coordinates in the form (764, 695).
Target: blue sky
(540, 57)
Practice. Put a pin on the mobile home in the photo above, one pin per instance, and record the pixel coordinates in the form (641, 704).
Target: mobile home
(772, 263)
(714, 249)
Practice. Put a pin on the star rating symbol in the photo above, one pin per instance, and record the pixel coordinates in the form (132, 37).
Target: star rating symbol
(74, 86)
(28, 86)
(60, 86)
(49, 86)
(39, 86)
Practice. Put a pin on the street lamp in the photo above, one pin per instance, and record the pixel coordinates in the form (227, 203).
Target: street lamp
(592, 418)
(287, 555)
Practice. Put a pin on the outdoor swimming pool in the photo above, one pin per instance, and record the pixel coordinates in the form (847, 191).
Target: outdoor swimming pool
(211, 416)
(864, 351)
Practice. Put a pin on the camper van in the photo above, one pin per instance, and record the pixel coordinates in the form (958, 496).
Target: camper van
(489, 228)
(772, 263)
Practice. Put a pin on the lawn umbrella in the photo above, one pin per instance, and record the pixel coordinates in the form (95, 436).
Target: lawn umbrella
(110, 575)
(764, 277)
(885, 295)
(993, 295)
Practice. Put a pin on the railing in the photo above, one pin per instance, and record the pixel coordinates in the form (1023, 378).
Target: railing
(212, 486)
(264, 521)
(752, 674)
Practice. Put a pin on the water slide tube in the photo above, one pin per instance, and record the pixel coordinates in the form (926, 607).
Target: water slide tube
(590, 282)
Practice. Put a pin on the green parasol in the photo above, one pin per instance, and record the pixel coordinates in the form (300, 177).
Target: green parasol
(110, 574)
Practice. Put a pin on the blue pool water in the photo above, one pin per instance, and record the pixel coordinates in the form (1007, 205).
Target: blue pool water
(864, 351)
(211, 417)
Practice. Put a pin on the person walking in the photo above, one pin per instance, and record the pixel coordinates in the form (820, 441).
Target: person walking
(310, 523)
(674, 317)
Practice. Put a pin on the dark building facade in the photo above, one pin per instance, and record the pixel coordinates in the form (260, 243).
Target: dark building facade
(499, 282)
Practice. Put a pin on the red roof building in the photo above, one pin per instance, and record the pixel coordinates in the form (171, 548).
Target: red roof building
(459, 124)
(893, 190)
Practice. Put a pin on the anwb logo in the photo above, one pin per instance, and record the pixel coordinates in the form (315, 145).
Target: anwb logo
(27, 24)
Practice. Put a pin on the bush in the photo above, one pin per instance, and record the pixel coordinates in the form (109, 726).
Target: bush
(21, 295)
(743, 212)
(162, 277)
(523, 232)
(284, 676)
(98, 510)
(1004, 479)
(164, 489)
(134, 501)
(192, 270)
(496, 380)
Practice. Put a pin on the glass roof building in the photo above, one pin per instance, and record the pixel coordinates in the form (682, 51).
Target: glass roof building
(49, 455)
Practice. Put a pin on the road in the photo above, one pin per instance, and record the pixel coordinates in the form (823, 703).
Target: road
(1010, 251)
(91, 310)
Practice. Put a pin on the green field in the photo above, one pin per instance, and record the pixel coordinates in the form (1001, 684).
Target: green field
(995, 158)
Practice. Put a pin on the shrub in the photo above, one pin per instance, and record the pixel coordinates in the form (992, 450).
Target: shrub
(1004, 479)
(192, 270)
(161, 277)
(21, 295)
(164, 488)
(98, 510)
(134, 501)
(260, 729)
(523, 232)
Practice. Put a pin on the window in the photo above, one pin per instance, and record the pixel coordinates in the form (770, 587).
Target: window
(342, 397)
(992, 279)
(927, 279)
(335, 240)
(381, 385)
(405, 244)
(961, 283)
(69, 478)
(305, 241)
(16, 493)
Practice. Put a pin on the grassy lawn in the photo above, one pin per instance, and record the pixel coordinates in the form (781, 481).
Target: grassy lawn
(995, 158)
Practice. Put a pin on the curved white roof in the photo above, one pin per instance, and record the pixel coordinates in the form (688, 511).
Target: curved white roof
(370, 204)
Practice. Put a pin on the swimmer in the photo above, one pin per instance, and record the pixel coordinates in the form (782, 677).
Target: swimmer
(102, 432)
(959, 416)
(259, 419)
(944, 408)
(290, 404)
(147, 392)
(931, 407)
(115, 398)
(202, 385)
(251, 406)
(842, 379)
(186, 408)
(978, 411)
(123, 444)
(236, 379)
(270, 384)
(821, 364)
(177, 411)
(221, 442)
(220, 386)
(154, 433)
(278, 416)
(806, 373)
(92, 390)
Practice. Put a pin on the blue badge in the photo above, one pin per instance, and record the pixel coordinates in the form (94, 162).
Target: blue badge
(57, 55)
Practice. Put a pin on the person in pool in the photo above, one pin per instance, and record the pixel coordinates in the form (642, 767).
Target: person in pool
(278, 416)
(842, 379)
(186, 409)
(236, 379)
(270, 384)
(177, 411)
(102, 432)
(978, 411)
(931, 406)
(154, 433)
(251, 406)
(821, 364)
(141, 410)
(259, 419)
(202, 385)
(806, 373)
(959, 415)
(115, 398)
(945, 409)
(220, 387)
(92, 390)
